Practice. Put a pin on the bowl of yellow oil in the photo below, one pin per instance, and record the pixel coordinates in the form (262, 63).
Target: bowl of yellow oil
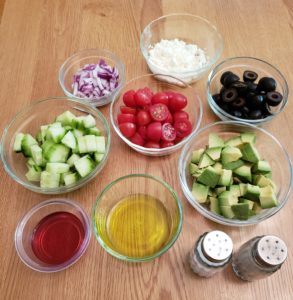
(137, 217)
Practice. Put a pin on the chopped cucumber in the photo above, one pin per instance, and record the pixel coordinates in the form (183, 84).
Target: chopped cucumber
(49, 180)
(84, 165)
(33, 174)
(66, 118)
(71, 178)
(101, 144)
(73, 158)
(89, 121)
(57, 168)
(69, 140)
(55, 133)
(57, 153)
(26, 143)
(17, 142)
(98, 157)
(37, 154)
(94, 131)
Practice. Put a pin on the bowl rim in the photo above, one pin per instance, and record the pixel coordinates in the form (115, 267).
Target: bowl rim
(154, 151)
(207, 213)
(213, 105)
(63, 189)
(53, 268)
(101, 52)
(211, 62)
(158, 253)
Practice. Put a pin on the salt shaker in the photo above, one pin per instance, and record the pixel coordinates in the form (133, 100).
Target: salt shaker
(212, 253)
(259, 257)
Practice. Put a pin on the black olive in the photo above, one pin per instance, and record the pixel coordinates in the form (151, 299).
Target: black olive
(251, 87)
(274, 98)
(225, 107)
(217, 98)
(223, 76)
(229, 79)
(256, 101)
(245, 111)
(238, 103)
(255, 114)
(249, 76)
(240, 86)
(266, 110)
(267, 84)
(237, 113)
(229, 95)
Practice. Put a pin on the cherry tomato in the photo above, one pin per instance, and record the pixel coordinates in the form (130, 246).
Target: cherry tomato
(124, 118)
(183, 128)
(180, 115)
(142, 130)
(142, 98)
(137, 139)
(154, 131)
(128, 98)
(166, 144)
(143, 118)
(159, 112)
(168, 133)
(160, 98)
(148, 91)
(170, 94)
(169, 119)
(178, 140)
(152, 145)
(177, 102)
(127, 129)
(127, 110)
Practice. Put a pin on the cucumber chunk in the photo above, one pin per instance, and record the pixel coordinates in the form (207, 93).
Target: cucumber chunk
(73, 158)
(33, 174)
(89, 121)
(26, 143)
(17, 142)
(98, 157)
(57, 153)
(101, 144)
(55, 133)
(69, 140)
(94, 131)
(84, 165)
(49, 180)
(57, 168)
(66, 118)
(71, 178)
(37, 154)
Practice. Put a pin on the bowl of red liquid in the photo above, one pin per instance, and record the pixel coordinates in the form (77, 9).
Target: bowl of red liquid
(52, 235)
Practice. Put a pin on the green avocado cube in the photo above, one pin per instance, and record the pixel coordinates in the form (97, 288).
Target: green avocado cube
(267, 197)
(250, 153)
(227, 198)
(252, 192)
(225, 179)
(196, 155)
(234, 142)
(192, 168)
(209, 177)
(262, 166)
(227, 212)
(243, 173)
(241, 211)
(230, 154)
(205, 161)
(248, 137)
(214, 153)
(215, 141)
(214, 205)
(200, 192)
(232, 165)
(235, 189)
(249, 202)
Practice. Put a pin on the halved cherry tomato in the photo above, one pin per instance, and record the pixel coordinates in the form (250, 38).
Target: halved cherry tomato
(154, 131)
(127, 129)
(142, 130)
(148, 91)
(166, 144)
(127, 110)
(143, 118)
(169, 119)
(152, 145)
(168, 133)
(128, 98)
(160, 97)
(183, 128)
(137, 139)
(180, 115)
(159, 112)
(177, 102)
(124, 118)
(142, 97)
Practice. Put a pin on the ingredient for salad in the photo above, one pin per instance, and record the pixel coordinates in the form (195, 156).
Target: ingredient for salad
(246, 99)
(63, 152)
(95, 81)
(211, 254)
(260, 257)
(231, 178)
(57, 238)
(154, 120)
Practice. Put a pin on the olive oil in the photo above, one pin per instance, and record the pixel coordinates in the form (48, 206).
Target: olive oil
(138, 226)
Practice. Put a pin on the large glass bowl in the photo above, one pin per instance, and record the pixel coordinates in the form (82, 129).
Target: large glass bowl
(192, 30)
(269, 148)
(128, 186)
(29, 120)
(159, 83)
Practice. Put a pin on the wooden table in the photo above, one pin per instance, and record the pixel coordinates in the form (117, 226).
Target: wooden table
(36, 37)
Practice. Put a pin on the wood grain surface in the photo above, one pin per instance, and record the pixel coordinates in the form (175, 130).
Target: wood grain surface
(36, 37)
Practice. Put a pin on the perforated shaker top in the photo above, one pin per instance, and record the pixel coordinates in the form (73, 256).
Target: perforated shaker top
(217, 245)
(272, 250)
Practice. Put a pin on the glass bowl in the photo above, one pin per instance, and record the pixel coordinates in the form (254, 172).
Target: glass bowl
(29, 120)
(269, 148)
(89, 56)
(158, 83)
(26, 229)
(192, 30)
(129, 186)
(238, 65)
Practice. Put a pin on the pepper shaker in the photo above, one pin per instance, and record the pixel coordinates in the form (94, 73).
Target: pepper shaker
(211, 254)
(259, 257)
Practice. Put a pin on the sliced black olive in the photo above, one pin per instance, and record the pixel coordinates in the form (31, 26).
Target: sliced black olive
(274, 98)
(229, 79)
(238, 103)
(245, 111)
(223, 76)
(249, 76)
(240, 86)
(266, 110)
(256, 101)
(229, 95)
(217, 98)
(237, 113)
(255, 114)
(251, 87)
(267, 84)
(225, 107)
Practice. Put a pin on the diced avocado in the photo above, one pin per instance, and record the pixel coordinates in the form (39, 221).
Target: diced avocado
(232, 165)
(17, 142)
(49, 180)
(200, 192)
(263, 181)
(249, 202)
(27, 142)
(241, 211)
(242, 187)
(262, 166)
(220, 189)
(209, 177)
(215, 141)
(235, 189)
(33, 174)
(98, 157)
(227, 212)
(248, 137)
(236, 180)
(196, 155)
(267, 197)
(252, 192)
(230, 154)
(192, 168)
(212, 193)
(250, 153)
(205, 161)
(66, 118)
(214, 153)
(89, 121)
(225, 178)
(30, 162)
(197, 173)
(256, 208)
(268, 175)
(218, 167)
(214, 205)
(243, 173)
(234, 142)
(227, 198)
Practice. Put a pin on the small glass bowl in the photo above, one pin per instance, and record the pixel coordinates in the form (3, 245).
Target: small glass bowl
(26, 226)
(89, 56)
(158, 83)
(192, 30)
(29, 120)
(131, 185)
(269, 148)
(238, 65)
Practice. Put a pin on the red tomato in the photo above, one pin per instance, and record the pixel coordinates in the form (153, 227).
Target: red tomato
(166, 144)
(160, 98)
(183, 128)
(170, 94)
(137, 139)
(152, 145)
(180, 115)
(143, 118)
(142, 130)
(128, 98)
(154, 131)
(169, 119)
(159, 112)
(142, 98)
(127, 110)
(177, 102)
(124, 118)
(168, 133)
(127, 129)
(178, 140)
(148, 91)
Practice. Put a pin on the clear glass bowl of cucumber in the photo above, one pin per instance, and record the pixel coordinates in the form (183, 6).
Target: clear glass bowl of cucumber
(55, 145)
(235, 173)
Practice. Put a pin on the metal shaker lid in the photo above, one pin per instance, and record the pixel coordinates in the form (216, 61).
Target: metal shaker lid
(217, 245)
(272, 250)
